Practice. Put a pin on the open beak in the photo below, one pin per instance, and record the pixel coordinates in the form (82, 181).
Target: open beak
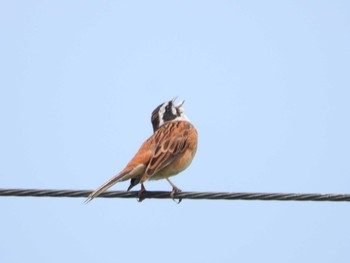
(179, 104)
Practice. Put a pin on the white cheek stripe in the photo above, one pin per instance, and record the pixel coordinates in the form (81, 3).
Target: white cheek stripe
(162, 109)
(161, 122)
(183, 117)
(161, 113)
(173, 110)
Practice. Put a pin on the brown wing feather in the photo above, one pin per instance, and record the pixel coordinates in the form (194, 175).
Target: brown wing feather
(171, 141)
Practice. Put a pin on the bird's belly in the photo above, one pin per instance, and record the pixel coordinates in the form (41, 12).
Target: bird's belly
(176, 167)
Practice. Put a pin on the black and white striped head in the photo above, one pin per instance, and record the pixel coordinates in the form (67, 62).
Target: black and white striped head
(168, 112)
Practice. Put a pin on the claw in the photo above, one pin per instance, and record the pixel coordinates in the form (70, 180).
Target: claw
(173, 192)
(140, 194)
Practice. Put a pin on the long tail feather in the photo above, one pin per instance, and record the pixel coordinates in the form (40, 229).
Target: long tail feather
(126, 174)
(105, 186)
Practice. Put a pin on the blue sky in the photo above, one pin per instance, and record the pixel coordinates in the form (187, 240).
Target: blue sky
(266, 84)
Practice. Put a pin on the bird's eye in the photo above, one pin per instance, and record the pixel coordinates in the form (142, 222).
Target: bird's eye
(167, 108)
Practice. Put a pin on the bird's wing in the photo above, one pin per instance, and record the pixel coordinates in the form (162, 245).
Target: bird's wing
(170, 143)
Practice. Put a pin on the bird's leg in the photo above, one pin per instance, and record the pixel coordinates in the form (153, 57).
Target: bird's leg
(174, 191)
(140, 193)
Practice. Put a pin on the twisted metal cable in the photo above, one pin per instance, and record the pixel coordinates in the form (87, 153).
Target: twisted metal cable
(180, 195)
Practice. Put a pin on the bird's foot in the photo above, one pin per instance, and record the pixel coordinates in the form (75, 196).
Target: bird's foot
(141, 193)
(173, 192)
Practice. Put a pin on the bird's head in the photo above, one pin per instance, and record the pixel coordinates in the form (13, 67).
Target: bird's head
(168, 112)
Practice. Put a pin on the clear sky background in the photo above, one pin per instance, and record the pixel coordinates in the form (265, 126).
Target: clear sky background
(266, 83)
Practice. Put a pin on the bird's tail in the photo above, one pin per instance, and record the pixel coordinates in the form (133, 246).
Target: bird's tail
(118, 178)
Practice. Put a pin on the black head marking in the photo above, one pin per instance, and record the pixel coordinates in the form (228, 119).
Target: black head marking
(166, 112)
(155, 118)
(170, 112)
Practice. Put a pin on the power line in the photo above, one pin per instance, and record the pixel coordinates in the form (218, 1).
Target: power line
(181, 195)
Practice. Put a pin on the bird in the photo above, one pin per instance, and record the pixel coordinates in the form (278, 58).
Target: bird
(167, 152)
